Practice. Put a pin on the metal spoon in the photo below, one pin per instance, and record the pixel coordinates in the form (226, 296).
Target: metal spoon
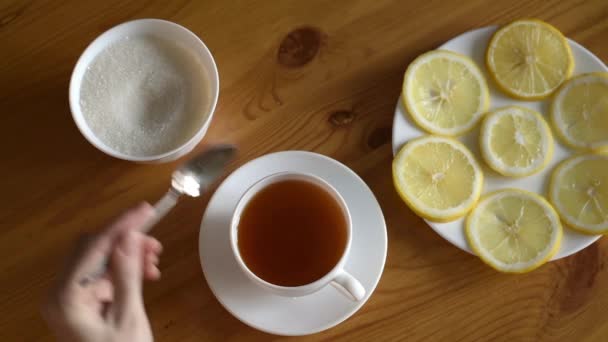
(195, 175)
(190, 179)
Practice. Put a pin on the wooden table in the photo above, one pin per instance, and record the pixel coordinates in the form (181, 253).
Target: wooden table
(322, 76)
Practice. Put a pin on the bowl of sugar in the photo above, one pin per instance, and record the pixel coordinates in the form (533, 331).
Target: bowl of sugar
(144, 91)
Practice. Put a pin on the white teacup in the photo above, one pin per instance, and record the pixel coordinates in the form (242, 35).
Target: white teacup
(337, 277)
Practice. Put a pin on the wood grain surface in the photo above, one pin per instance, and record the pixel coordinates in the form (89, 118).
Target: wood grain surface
(322, 76)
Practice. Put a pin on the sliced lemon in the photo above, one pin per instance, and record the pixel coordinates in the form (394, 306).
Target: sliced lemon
(579, 192)
(515, 141)
(529, 59)
(514, 230)
(437, 177)
(444, 92)
(580, 111)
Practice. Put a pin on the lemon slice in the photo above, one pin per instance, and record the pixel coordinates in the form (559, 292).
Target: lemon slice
(445, 92)
(515, 141)
(514, 230)
(579, 192)
(580, 111)
(437, 177)
(529, 59)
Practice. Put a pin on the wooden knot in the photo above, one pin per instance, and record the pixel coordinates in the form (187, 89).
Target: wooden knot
(341, 118)
(11, 16)
(299, 47)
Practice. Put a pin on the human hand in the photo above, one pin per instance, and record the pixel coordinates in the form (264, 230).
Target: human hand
(109, 308)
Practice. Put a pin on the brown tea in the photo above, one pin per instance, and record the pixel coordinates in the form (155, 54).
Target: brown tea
(292, 233)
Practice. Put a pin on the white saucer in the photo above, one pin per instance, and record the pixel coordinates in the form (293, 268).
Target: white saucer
(280, 315)
(473, 44)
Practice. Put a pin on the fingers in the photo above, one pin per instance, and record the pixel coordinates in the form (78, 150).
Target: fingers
(151, 245)
(127, 272)
(94, 251)
(133, 218)
(151, 271)
(152, 251)
(103, 290)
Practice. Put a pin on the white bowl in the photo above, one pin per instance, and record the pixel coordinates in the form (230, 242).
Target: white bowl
(154, 27)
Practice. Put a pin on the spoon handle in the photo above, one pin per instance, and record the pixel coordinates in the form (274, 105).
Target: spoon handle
(162, 207)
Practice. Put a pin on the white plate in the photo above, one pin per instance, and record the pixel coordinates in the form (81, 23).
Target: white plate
(473, 44)
(280, 315)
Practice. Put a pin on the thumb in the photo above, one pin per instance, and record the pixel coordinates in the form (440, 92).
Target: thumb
(127, 274)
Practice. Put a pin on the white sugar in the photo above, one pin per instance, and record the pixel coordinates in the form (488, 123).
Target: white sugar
(144, 95)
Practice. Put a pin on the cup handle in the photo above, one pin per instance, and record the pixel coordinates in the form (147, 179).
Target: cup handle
(348, 286)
